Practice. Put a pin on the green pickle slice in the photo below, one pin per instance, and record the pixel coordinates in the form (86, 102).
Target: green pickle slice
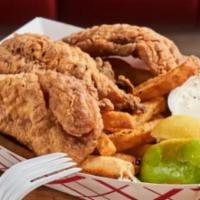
(175, 161)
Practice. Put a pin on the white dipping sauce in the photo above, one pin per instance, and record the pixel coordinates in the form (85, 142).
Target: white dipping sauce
(185, 100)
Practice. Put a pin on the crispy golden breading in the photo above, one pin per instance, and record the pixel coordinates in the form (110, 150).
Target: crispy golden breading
(106, 105)
(157, 51)
(164, 83)
(108, 166)
(117, 120)
(28, 52)
(69, 102)
(129, 138)
(105, 146)
(32, 112)
(151, 108)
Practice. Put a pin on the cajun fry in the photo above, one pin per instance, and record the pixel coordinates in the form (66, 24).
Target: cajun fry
(108, 166)
(152, 108)
(105, 146)
(117, 120)
(130, 138)
(164, 83)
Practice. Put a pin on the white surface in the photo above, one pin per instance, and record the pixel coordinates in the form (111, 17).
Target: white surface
(55, 30)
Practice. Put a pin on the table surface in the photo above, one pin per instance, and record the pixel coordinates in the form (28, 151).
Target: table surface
(44, 193)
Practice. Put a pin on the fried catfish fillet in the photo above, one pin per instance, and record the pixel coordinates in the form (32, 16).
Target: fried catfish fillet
(29, 52)
(50, 112)
(157, 51)
(164, 83)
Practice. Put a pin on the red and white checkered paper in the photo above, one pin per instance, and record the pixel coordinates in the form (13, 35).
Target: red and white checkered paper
(92, 187)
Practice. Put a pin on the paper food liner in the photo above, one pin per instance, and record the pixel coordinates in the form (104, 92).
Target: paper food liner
(92, 187)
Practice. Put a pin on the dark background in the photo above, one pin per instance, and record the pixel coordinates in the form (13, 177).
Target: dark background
(177, 19)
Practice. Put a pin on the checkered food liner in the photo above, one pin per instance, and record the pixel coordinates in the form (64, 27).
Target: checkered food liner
(91, 187)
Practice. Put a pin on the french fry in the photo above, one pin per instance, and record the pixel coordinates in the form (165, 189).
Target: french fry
(159, 116)
(125, 157)
(105, 146)
(108, 166)
(130, 138)
(117, 120)
(152, 108)
(164, 83)
(139, 151)
(130, 158)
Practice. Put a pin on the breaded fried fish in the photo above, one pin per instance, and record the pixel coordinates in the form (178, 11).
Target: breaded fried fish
(29, 52)
(158, 52)
(50, 112)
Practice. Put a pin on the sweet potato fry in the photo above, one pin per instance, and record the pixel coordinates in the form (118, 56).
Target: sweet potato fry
(152, 108)
(108, 166)
(130, 138)
(105, 146)
(164, 83)
(117, 120)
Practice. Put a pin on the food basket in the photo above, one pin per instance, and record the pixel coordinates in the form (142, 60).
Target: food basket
(91, 187)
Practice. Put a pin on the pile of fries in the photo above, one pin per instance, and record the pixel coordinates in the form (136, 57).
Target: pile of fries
(127, 136)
